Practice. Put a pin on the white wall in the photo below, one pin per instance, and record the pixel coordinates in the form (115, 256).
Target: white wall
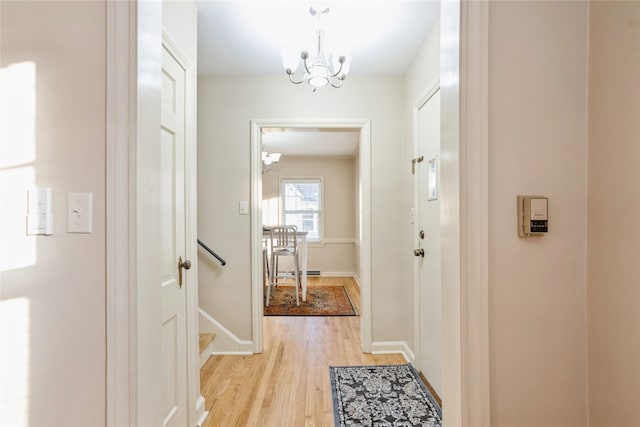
(613, 210)
(537, 145)
(52, 287)
(336, 253)
(225, 108)
(179, 19)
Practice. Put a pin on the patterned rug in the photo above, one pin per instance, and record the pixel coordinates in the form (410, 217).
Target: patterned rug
(321, 301)
(389, 395)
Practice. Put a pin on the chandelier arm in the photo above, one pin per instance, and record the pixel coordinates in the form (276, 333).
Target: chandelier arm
(338, 84)
(337, 73)
(306, 67)
(295, 82)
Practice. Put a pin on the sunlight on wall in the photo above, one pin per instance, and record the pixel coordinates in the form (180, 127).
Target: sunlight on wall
(14, 362)
(270, 211)
(17, 157)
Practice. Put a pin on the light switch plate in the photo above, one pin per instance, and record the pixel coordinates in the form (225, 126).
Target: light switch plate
(79, 212)
(243, 207)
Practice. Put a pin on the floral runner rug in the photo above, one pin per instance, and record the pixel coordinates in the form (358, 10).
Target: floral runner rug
(389, 395)
(321, 301)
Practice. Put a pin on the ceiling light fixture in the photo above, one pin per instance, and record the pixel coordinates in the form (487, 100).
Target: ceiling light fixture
(269, 161)
(321, 68)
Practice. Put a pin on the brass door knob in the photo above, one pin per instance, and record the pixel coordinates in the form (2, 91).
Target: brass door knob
(418, 252)
(186, 265)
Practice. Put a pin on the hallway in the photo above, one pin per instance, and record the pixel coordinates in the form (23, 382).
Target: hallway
(288, 384)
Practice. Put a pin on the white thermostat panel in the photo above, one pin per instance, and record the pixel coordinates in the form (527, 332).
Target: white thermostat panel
(533, 215)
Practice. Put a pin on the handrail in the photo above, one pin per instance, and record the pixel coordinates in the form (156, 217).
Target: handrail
(215, 255)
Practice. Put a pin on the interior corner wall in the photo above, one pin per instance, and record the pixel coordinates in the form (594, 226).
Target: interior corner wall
(336, 254)
(423, 71)
(613, 304)
(226, 105)
(52, 297)
(537, 145)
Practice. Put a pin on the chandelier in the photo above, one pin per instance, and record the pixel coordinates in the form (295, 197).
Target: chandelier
(269, 161)
(320, 68)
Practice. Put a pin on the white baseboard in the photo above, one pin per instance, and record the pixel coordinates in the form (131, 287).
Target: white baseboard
(233, 353)
(200, 410)
(203, 418)
(226, 342)
(337, 274)
(394, 347)
(357, 279)
(206, 354)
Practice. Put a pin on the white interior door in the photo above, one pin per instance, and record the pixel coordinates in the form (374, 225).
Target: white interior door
(173, 235)
(429, 270)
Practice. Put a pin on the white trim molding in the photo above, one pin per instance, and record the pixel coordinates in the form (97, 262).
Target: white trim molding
(465, 191)
(120, 226)
(394, 347)
(474, 152)
(364, 239)
(226, 342)
(337, 274)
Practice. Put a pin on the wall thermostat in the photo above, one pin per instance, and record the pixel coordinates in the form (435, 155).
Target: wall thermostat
(533, 215)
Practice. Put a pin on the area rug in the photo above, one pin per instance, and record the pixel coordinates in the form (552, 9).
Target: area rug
(388, 395)
(321, 301)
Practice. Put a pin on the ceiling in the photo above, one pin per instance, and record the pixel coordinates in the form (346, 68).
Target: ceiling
(245, 37)
(311, 142)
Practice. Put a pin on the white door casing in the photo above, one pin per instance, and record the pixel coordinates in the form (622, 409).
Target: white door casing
(428, 239)
(173, 243)
(364, 233)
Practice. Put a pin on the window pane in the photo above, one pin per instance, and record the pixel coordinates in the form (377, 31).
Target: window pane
(301, 205)
(300, 196)
(305, 222)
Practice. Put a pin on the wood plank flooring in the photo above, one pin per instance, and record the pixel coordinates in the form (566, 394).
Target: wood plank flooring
(288, 384)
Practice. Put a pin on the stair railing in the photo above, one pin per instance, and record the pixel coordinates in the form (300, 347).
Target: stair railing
(215, 255)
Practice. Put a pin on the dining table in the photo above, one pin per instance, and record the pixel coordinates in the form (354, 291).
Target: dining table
(301, 237)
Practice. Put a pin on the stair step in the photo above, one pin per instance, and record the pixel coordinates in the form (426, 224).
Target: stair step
(205, 339)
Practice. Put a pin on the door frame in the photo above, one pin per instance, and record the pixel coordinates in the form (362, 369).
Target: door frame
(364, 237)
(134, 40)
(431, 90)
(129, 118)
(464, 179)
(132, 103)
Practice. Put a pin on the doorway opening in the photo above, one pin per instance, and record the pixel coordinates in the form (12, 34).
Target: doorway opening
(259, 128)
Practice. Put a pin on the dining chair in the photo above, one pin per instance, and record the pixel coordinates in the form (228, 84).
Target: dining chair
(283, 242)
(265, 263)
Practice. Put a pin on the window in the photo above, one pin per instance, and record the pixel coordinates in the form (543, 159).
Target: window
(302, 205)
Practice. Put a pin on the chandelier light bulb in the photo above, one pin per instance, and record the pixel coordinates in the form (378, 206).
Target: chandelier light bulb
(290, 59)
(275, 157)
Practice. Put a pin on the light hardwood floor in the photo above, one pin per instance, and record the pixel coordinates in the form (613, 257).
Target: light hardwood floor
(288, 384)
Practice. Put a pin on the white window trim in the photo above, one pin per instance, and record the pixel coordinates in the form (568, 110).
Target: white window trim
(283, 179)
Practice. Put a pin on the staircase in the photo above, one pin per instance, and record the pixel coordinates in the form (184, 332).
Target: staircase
(206, 347)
